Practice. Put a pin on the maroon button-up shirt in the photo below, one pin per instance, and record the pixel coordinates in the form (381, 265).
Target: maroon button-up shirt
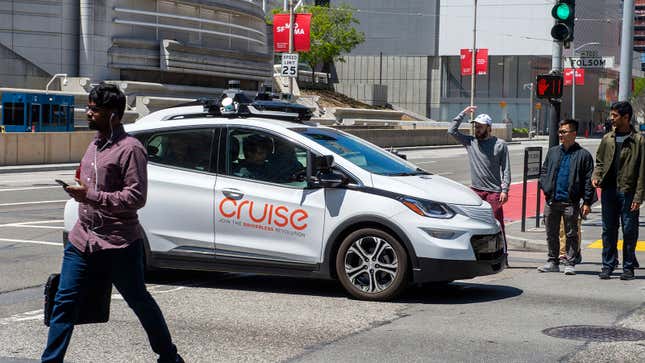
(116, 177)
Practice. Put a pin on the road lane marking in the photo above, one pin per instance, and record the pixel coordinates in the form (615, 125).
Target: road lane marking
(26, 316)
(31, 241)
(32, 224)
(640, 245)
(38, 202)
(28, 188)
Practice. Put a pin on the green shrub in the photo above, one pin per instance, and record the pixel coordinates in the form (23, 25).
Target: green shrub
(520, 130)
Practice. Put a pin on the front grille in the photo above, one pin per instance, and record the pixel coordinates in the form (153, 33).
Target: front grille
(488, 247)
(482, 213)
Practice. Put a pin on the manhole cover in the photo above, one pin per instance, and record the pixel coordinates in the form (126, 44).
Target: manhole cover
(595, 333)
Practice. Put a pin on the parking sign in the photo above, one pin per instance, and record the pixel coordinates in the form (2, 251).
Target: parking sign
(289, 65)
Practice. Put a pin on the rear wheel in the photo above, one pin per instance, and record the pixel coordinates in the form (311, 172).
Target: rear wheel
(372, 265)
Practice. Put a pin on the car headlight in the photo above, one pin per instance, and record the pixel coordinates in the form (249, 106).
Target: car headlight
(427, 208)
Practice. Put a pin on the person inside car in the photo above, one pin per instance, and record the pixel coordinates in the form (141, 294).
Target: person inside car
(285, 164)
(256, 149)
(179, 153)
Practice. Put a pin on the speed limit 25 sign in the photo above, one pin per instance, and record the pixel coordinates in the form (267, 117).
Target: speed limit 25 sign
(289, 65)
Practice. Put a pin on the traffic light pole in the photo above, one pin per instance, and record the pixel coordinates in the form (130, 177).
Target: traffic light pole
(473, 65)
(626, 45)
(556, 67)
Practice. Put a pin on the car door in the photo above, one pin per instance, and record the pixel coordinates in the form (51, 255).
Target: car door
(264, 211)
(178, 216)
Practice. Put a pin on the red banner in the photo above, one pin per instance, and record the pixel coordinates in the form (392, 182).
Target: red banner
(301, 33)
(481, 62)
(580, 76)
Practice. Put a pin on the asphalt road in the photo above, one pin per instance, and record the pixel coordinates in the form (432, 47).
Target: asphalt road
(225, 317)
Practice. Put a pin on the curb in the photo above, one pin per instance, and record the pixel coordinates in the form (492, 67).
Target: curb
(32, 168)
(524, 244)
(431, 147)
(528, 243)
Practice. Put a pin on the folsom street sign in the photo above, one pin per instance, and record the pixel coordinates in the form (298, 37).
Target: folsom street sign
(590, 62)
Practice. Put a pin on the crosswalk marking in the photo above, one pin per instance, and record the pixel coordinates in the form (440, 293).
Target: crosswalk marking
(640, 245)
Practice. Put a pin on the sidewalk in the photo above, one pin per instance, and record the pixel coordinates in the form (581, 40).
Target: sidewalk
(534, 238)
(40, 167)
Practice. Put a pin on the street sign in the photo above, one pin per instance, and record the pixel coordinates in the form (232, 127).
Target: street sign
(481, 62)
(590, 62)
(301, 33)
(289, 65)
(549, 86)
(532, 167)
(579, 75)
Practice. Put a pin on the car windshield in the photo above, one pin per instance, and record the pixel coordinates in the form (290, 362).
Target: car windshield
(360, 153)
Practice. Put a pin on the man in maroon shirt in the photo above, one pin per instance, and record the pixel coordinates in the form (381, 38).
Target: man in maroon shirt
(107, 241)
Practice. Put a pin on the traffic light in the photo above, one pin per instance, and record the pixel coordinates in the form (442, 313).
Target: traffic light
(564, 13)
(549, 86)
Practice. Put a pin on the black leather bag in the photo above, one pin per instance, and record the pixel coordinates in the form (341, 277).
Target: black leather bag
(94, 305)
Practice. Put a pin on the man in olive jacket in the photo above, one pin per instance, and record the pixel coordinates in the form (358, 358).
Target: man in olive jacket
(565, 179)
(620, 173)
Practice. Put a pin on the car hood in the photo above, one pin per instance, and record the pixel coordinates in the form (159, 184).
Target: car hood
(431, 187)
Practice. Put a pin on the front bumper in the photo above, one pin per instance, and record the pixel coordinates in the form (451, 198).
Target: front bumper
(490, 259)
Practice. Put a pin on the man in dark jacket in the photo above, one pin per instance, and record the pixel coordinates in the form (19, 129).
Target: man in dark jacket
(620, 173)
(565, 179)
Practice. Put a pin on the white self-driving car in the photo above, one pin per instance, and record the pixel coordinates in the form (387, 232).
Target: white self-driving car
(247, 192)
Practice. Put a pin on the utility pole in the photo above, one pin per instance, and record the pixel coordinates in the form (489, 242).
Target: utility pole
(529, 86)
(626, 45)
(556, 68)
(575, 72)
(473, 64)
(291, 46)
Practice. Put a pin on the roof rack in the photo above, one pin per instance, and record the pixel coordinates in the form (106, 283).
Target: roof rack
(235, 103)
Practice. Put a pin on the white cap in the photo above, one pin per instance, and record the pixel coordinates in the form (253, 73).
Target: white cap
(483, 119)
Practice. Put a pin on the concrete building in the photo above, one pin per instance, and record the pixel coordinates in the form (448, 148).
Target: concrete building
(152, 47)
(413, 47)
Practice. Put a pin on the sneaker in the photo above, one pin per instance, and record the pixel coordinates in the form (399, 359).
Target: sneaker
(605, 274)
(569, 270)
(627, 275)
(549, 267)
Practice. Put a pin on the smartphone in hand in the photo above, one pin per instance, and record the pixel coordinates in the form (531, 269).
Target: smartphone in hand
(62, 183)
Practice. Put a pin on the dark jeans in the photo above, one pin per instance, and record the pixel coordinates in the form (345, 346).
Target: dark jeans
(554, 213)
(615, 208)
(125, 268)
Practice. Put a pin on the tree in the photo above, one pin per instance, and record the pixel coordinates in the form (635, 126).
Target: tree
(332, 34)
(638, 98)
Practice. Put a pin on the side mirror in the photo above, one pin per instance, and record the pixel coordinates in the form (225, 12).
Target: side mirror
(320, 173)
(331, 180)
(322, 163)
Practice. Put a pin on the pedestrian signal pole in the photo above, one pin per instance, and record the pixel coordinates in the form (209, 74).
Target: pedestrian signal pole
(563, 13)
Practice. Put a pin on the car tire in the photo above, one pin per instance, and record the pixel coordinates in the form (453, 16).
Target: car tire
(372, 265)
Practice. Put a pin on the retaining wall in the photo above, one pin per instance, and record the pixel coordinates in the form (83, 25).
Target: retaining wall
(68, 147)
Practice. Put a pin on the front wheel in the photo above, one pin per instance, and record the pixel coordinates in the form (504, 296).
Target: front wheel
(372, 265)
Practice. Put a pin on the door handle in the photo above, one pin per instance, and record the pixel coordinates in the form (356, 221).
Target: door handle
(233, 194)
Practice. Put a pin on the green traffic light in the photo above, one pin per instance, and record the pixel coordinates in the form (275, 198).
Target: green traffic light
(562, 11)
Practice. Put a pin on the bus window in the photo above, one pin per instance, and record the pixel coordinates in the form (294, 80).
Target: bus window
(13, 113)
(46, 114)
(35, 114)
(55, 115)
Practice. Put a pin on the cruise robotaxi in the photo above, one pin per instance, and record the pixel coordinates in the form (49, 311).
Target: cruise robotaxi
(245, 186)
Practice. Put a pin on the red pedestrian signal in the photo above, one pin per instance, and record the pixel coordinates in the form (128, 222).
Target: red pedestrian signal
(549, 86)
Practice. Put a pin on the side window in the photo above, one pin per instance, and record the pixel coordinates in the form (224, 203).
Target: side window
(266, 157)
(188, 149)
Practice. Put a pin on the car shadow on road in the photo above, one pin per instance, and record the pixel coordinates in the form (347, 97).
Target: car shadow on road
(449, 293)
(458, 293)
(249, 282)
